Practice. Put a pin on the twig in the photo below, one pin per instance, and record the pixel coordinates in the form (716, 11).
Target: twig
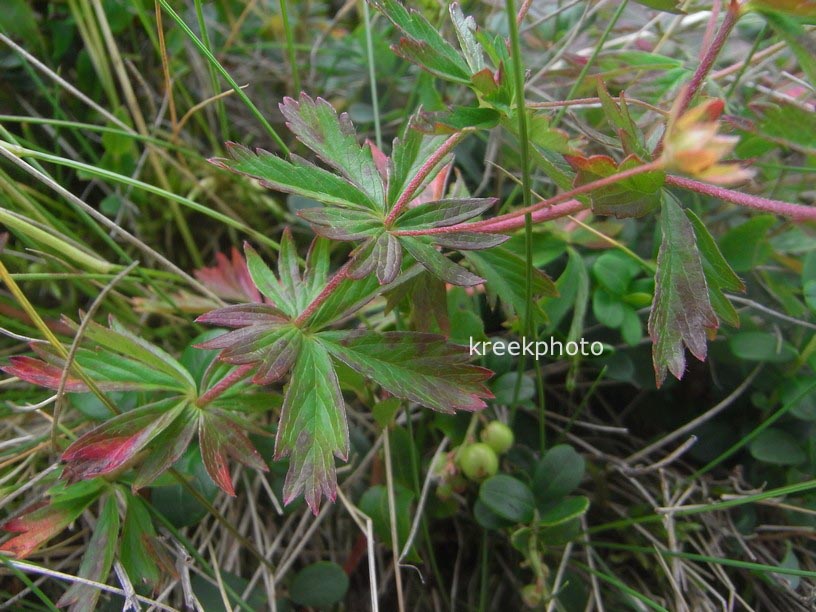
(36, 569)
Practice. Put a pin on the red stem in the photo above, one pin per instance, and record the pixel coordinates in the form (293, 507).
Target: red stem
(522, 13)
(237, 375)
(510, 220)
(413, 185)
(330, 287)
(797, 212)
(688, 92)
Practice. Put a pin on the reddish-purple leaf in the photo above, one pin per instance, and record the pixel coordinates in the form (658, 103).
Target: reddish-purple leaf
(241, 315)
(220, 439)
(116, 443)
(229, 278)
(42, 521)
(681, 311)
(419, 367)
(35, 529)
(42, 374)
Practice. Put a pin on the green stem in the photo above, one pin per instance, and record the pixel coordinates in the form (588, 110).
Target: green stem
(226, 75)
(290, 47)
(205, 38)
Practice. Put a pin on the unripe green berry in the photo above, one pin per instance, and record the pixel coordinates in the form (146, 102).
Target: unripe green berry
(531, 596)
(444, 491)
(478, 461)
(498, 436)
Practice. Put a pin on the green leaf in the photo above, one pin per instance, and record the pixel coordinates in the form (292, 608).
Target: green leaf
(614, 271)
(381, 254)
(506, 276)
(508, 497)
(119, 339)
(168, 446)
(419, 367)
(504, 387)
(374, 503)
(809, 280)
(795, 36)
(443, 213)
(341, 223)
(459, 118)
(332, 137)
(746, 246)
(618, 116)
(609, 309)
(573, 293)
(144, 561)
(786, 125)
(632, 197)
(761, 346)
(719, 275)
(777, 447)
(465, 27)
(267, 283)
(319, 585)
(439, 265)
(409, 154)
(557, 473)
(487, 518)
(312, 428)
(422, 43)
(562, 511)
(97, 560)
(681, 311)
(668, 6)
(298, 176)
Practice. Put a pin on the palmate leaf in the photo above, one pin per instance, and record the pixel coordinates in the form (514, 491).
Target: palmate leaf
(719, 275)
(423, 368)
(332, 137)
(632, 197)
(506, 275)
(150, 437)
(681, 311)
(423, 44)
(313, 428)
(296, 176)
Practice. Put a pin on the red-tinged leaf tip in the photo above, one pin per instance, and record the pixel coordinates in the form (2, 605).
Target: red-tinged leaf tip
(35, 529)
(100, 457)
(42, 374)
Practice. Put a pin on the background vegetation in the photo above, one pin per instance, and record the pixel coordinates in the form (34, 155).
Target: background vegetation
(609, 492)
